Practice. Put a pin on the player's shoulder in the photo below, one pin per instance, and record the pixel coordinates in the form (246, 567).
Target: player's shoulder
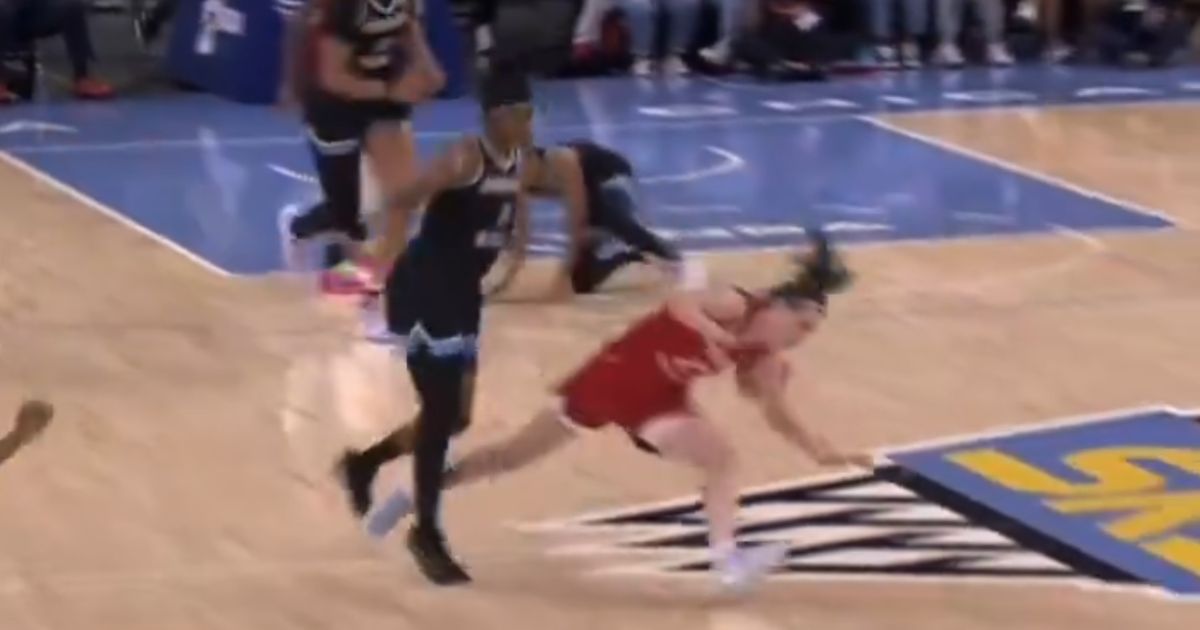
(461, 156)
(724, 301)
(561, 154)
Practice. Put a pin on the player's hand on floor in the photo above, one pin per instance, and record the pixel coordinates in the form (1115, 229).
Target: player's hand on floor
(32, 418)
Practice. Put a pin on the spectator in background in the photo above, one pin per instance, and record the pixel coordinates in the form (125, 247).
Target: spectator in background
(734, 17)
(790, 42)
(880, 15)
(681, 28)
(586, 41)
(950, 21)
(149, 23)
(23, 22)
(1048, 15)
(1142, 32)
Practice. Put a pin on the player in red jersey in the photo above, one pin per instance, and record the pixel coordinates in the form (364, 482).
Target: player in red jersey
(641, 383)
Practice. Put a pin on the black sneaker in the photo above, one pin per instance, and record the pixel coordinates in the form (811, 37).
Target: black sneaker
(429, 550)
(356, 477)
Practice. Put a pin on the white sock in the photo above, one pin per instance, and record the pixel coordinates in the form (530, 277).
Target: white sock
(451, 460)
(723, 552)
(483, 38)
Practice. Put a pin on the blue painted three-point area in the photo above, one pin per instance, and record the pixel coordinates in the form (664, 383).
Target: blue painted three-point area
(1123, 488)
(723, 165)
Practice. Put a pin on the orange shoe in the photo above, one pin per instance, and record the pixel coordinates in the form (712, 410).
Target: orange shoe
(93, 89)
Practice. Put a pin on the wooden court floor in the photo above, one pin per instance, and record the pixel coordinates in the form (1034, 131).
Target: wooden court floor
(184, 485)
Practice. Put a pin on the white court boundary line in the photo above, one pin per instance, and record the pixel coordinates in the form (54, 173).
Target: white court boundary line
(1013, 167)
(569, 525)
(74, 193)
(8, 155)
(1191, 99)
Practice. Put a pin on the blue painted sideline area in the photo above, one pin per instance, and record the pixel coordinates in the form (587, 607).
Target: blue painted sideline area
(725, 164)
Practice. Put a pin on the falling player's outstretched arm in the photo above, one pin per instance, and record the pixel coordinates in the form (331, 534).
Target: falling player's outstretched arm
(518, 246)
(765, 382)
(453, 167)
(568, 174)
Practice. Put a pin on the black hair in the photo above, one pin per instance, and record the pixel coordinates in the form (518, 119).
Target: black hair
(818, 273)
(503, 86)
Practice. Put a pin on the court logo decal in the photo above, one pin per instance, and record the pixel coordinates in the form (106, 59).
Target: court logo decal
(1110, 500)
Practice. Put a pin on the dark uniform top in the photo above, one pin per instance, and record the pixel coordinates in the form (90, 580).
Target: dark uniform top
(435, 286)
(337, 124)
(599, 166)
(371, 28)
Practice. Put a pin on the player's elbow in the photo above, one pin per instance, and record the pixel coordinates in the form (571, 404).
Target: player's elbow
(435, 81)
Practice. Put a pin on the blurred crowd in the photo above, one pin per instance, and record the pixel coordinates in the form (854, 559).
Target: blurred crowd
(774, 39)
(806, 38)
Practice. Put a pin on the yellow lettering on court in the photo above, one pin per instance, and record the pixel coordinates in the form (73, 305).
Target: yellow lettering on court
(1113, 470)
(1151, 514)
(1178, 550)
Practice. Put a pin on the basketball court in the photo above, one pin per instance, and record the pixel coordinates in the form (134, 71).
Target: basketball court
(1018, 351)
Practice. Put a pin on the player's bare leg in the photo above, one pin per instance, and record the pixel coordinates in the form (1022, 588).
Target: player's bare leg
(542, 436)
(693, 441)
(32, 418)
(392, 150)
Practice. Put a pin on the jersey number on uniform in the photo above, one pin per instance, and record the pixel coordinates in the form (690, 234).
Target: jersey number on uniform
(497, 236)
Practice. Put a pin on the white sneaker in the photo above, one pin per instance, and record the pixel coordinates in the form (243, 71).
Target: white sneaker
(374, 323)
(290, 247)
(885, 57)
(949, 55)
(384, 518)
(910, 55)
(642, 68)
(747, 566)
(674, 66)
(1058, 53)
(998, 55)
(718, 54)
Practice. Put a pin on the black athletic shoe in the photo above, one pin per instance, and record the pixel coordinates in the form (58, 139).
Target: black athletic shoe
(429, 550)
(356, 477)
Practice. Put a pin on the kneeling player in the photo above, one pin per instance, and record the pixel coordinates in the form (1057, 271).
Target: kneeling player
(597, 187)
(641, 383)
